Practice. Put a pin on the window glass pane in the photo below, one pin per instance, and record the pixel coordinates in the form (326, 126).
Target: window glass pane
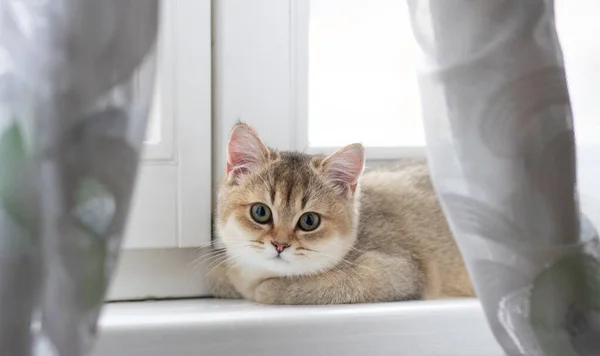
(153, 134)
(578, 27)
(362, 79)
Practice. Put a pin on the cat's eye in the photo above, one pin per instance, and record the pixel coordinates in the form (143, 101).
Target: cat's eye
(260, 213)
(309, 221)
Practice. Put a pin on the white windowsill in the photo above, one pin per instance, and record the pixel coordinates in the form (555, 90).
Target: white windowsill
(228, 328)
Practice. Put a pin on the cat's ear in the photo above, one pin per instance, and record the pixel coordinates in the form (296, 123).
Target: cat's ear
(246, 152)
(345, 166)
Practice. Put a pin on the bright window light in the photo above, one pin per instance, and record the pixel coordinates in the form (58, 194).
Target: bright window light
(362, 78)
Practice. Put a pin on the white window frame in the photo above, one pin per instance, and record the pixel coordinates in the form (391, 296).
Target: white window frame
(170, 215)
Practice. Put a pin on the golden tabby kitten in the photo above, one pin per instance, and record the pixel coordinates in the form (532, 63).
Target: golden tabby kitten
(302, 229)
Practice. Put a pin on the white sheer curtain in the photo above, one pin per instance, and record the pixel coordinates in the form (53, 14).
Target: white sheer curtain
(502, 152)
(72, 120)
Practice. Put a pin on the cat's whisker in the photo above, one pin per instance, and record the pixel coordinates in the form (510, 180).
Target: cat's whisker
(357, 265)
(333, 277)
(211, 243)
(214, 253)
(326, 275)
(343, 260)
(209, 260)
(218, 262)
(195, 265)
(214, 257)
(306, 249)
(335, 268)
(214, 243)
(350, 267)
(231, 267)
(352, 279)
(205, 259)
(227, 259)
(335, 280)
(215, 267)
(357, 250)
(348, 273)
(202, 247)
(200, 258)
(226, 254)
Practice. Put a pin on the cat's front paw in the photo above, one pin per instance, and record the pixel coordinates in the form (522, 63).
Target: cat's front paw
(272, 291)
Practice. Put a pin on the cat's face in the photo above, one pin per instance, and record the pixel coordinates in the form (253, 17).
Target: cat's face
(287, 213)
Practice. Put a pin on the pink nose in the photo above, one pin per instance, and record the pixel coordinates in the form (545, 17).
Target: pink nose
(279, 247)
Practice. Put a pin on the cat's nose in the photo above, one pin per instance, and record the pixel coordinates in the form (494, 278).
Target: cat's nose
(279, 247)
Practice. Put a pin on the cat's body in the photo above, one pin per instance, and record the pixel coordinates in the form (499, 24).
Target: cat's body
(400, 214)
(385, 239)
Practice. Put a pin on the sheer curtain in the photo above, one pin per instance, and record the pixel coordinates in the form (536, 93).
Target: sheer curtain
(75, 86)
(501, 146)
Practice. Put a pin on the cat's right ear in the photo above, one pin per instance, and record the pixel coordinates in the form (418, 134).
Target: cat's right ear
(246, 152)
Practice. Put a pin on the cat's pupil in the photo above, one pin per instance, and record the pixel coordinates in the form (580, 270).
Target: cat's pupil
(261, 211)
(309, 220)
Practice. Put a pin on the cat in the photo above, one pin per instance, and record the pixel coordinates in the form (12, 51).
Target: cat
(304, 229)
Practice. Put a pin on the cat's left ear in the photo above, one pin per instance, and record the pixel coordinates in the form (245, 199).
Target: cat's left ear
(345, 166)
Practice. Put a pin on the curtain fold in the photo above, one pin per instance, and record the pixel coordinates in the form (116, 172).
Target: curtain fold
(75, 87)
(501, 148)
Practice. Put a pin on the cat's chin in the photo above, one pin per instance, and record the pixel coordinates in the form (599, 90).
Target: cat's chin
(289, 263)
(280, 266)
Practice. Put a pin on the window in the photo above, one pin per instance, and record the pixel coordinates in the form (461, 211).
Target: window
(308, 75)
(362, 84)
(576, 25)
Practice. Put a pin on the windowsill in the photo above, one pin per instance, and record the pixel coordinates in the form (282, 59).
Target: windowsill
(222, 327)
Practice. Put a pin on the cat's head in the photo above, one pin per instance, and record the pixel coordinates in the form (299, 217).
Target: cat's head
(287, 213)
